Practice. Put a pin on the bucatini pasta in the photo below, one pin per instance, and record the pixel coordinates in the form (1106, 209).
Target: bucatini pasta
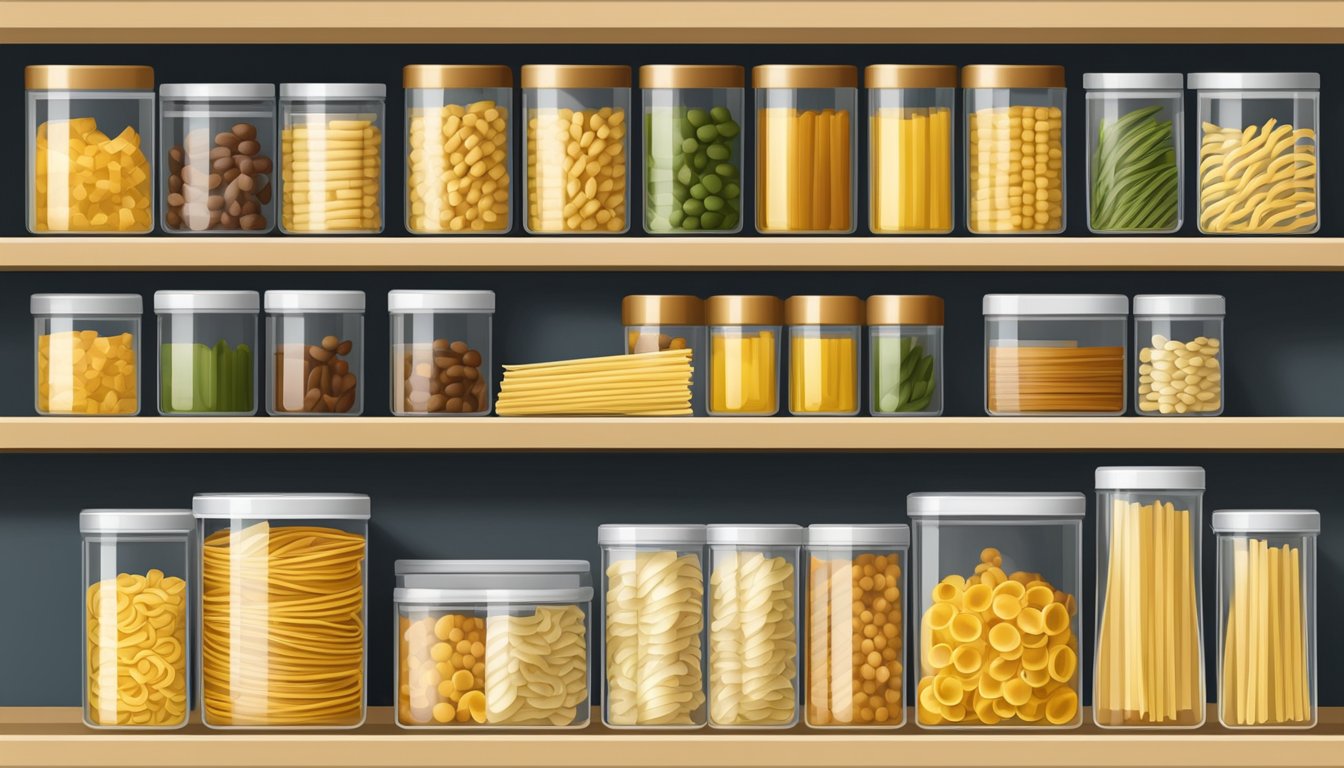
(536, 667)
(645, 384)
(1265, 661)
(1056, 378)
(753, 640)
(137, 654)
(1261, 179)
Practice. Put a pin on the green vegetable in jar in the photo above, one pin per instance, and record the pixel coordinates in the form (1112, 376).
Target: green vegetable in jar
(197, 378)
(691, 159)
(1135, 177)
(904, 375)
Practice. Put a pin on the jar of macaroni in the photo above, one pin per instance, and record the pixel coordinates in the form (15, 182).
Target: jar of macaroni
(806, 167)
(1014, 149)
(87, 353)
(207, 352)
(905, 344)
(315, 353)
(910, 111)
(998, 585)
(825, 336)
(90, 132)
(483, 574)
(1180, 354)
(753, 625)
(1135, 162)
(1258, 152)
(441, 352)
(856, 625)
(331, 158)
(655, 323)
(744, 354)
(137, 617)
(577, 144)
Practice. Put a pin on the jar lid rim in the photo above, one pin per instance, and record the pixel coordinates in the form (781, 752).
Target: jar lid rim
(996, 504)
(333, 91)
(412, 300)
(281, 506)
(288, 301)
(635, 535)
(130, 304)
(758, 534)
(207, 301)
(429, 596)
(1306, 521)
(862, 534)
(1055, 304)
(519, 566)
(1150, 479)
(103, 520)
(1236, 81)
(1180, 304)
(208, 91)
(1133, 81)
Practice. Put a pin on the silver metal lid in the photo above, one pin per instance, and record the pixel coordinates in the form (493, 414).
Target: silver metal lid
(216, 91)
(620, 535)
(1179, 305)
(757, 534)
(281, 506)
(568, 596)
(994, 504)
(1134, 81)
(405, 567)
(1254, 81)
(206, 301)
(314, 301)
(333, 91)
(1150, 478)
(136, 521)
(867, 535)
(1100, 304)
(401, 301)
(87, 304)
(1305, 521)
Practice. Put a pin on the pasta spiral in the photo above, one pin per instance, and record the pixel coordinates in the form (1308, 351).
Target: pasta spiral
(137, 658)
(536, 667)
(1261, 179)
(753, 640)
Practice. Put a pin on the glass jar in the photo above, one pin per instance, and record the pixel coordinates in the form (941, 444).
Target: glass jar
(1180, 354)
(283, 612)
(1055, 354)
(910, 110)
(1258, 152)
(577, 144)
(656, 323)
(90, 135)
(856, 625)
(331, 158)
(825, 336)
(1150, 652)
(1135, 164)
(1267, 617)
(459, 149)
(753, 625)
(207, 352)
(692, 148)
(315, 353)
(440, 359)
(1014, 149)
(654, 622)
(806, 167)
(905, 342)
(87, 349)
(998, 577)
(485, 574)
(218, 158)
(137, 617)
(744, 354)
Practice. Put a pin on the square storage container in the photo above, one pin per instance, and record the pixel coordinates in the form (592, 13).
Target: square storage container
(657, 323)
(910, 119)
(1180, 354)
(315, 353)
(825, 339)
(87, 353)
(207, 352)
(331, 158)
(488, 574)
(905, 343)
(1135, 166)
(744, 354)
(440, 362)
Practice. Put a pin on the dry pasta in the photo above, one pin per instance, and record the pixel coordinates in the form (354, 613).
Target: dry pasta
(441, 677)
(536, 667)
(1265, 680)
(644, 384)
(803, 170)
(1261, 179)
(1056, 379)
(855, 631)
(753, 640)
(137, 655)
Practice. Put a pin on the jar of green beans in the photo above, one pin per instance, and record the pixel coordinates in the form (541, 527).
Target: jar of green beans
(1134, 159)
(905, 341)
(207, 352)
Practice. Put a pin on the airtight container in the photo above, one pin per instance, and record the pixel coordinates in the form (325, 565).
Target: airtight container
(905, 343)
(856, 598)
(1180, 354)
(90, 132)
(207, 352)
(1135, 166)
(910, 119)
(137, 617)
(284, 579)
(87, 353)
(655, 323)
(1150, 655)
(1258, 152)
(653, 617)
(441, 352)
(315, 353)
(744, 354)
(1267, 617)
(998, 585)
(825, 339)
(331, 158)
(1014, 149)
(489, 574)
(1055, 354)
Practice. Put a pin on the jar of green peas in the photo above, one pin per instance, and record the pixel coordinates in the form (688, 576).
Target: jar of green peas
(1134, 165)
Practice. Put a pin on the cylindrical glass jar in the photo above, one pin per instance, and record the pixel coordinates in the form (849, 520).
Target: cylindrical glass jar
(137, 617)
(910, 118)
(207, 352)
(1267, 617)
(905, 344)
(314, 353)
(331, 158)
(1258, 152)
(1149, 669)
(1135, 163)
(1000, 645)
(1180, 354)
(217, 158)
(440, 357)
(825, 336)
(87, 347)
(1014, 149)
(90, 132)
(806, 166)
(577, 144)
(653, 579)
(744, 354)
(692, 148)
(487, 574)
(459, 149)
(856, 625)
(655, 323)
(753, 625)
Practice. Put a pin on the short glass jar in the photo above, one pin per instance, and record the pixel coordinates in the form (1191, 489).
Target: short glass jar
(87, 348)
(744, 354)
(1135, 164)
(825, 339)
(905, 345)
(655, 323)
(441, 357)
(1180, 354)
(207, 352)
(910, 119)
(331, 158)
(315, 353)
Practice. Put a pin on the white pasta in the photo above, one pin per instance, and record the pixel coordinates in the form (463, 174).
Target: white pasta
(536, 667)
(753, 640)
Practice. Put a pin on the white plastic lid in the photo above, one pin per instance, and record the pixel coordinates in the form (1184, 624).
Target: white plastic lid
(220, 91)
(1150, 478)
(87, 304)
(620, 535)
(1055, 304)
(1179, 305)
(206, 301)
(1133, 81)
(873, 535)
(440, 301)
(281, 302)
(333, 91)
(281, 506)
(136, 521)
(413, 596)
(762, 534)
(1307, 521)
(406, 567)
(1254, 81)
(995, 504)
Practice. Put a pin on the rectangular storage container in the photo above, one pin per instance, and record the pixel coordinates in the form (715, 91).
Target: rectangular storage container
(314, 352)
(1180, 354)
(905, 345)
(825, 339)
(331, 158)
(441, 352)
(656, 323)
(86, 349)
(487, 574)
(744, 354)
(207, 352)
(1135, 163)
(910, 119)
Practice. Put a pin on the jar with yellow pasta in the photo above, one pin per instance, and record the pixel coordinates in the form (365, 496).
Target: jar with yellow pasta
(825, 335)
(331, 158)
(87, 353)
(744, 354)
(910, 110)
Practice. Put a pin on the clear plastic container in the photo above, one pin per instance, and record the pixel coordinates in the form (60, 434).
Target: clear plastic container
(207, 352)
(283, 612)
(90, 132)
(578, 123)
(653, 578)
(1180, 354)
(87, 353)
(825, 339)
(1258, 152)
(1055, 354)
(754, 644)
(905, 344)
(692, 148)
(1015, 131)
(315, 353)
(459, 149)
(1267, 673)
(137, 617)
(806, 132)
(1135, 164)
(1150, 654)
(218, 158)
(655, 323)
(441, 361)
(856, 604)
(998, 579)
(910, 119)
(744, 354)
(331, 158)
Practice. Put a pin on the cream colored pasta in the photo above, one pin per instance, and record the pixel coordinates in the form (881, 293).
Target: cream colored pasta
(536, 667)
(1261, 179)
(753, 640)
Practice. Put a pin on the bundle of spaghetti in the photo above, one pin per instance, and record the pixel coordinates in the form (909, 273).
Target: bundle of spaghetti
(282, 626)
(1261, 179)
(1043, 379)
(645, 384)
(1265, 667)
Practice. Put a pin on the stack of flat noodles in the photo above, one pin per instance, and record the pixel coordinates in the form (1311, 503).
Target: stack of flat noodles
(1056, 377)
(1265, 663)
(1261, 179)
(646, 384)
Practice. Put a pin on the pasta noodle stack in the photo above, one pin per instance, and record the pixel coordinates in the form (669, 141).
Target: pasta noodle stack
(645, 384)
(1265, 679)
(1063, 378)
(753, 640)
(137, 655)
(912, 163)
(1261, 179)
(536, 667)
(804, 165)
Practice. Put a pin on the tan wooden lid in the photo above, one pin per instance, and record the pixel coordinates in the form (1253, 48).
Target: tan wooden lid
(910, 76)
(691, 76)
(576, 76)
(905, 310)
(456, 76)
(744, 310)
(823, 310)
(1012, 76)
(650, 309)
(804, 76)
(88, 77)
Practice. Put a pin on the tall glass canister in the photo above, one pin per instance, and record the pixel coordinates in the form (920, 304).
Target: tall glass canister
(1135, 166)
(331, 158)
(910, 119)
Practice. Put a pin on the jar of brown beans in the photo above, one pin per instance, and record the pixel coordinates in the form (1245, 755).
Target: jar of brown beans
(440, 342)
(315, 361)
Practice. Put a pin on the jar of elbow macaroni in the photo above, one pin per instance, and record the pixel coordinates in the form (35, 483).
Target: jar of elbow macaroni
(331, 158)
